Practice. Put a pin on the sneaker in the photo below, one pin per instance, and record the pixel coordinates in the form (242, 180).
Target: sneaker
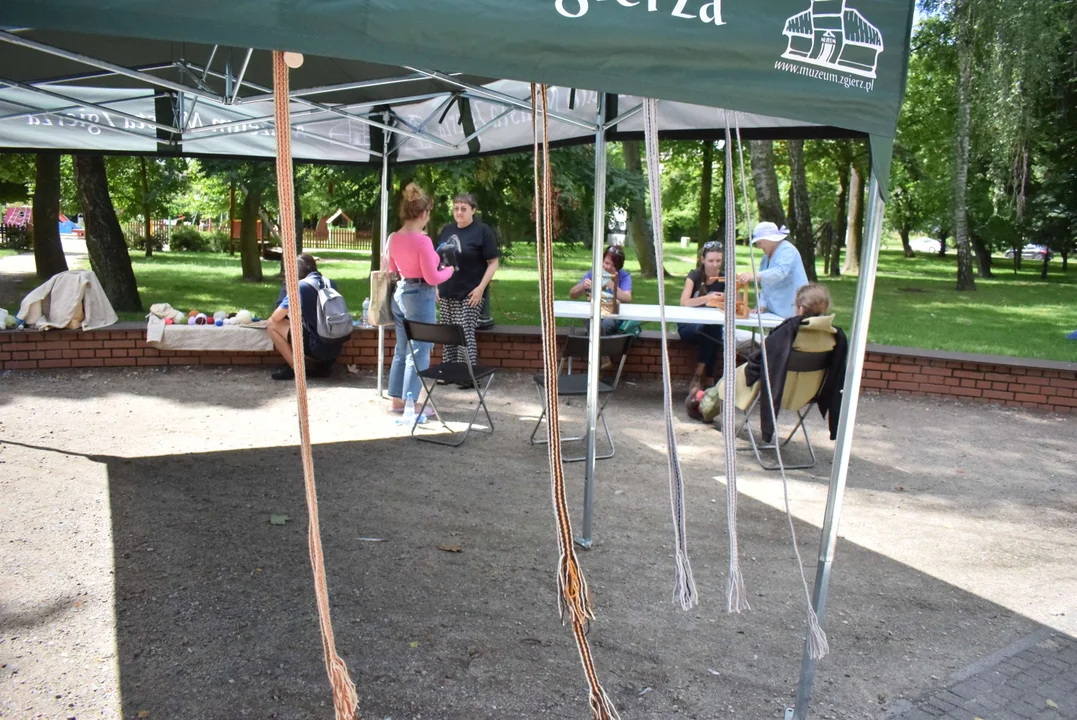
(691, 406)
(285, 373)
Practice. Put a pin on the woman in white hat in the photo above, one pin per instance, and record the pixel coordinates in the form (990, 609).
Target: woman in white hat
(781, 272)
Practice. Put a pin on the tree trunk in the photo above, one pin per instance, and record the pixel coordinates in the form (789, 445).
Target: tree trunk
(841, 219)
(983, 256)
(854, 233)
(905, 231)
(765, 179)
(104, 238)
(249, 257)
(706, 186)
(48, 251)
(146, 206)
(639, 229)
(965, 279)
(944, 235)
(231, 219)
(802, 233)
(1043, 268)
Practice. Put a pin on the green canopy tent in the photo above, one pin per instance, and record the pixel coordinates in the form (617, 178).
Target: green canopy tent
(820, 66)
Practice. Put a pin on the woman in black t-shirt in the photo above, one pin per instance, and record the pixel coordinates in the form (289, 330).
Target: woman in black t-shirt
(460, 297)
(700, 287)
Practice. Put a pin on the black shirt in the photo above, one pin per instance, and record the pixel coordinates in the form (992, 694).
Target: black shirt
(478, 246)
(700, 286)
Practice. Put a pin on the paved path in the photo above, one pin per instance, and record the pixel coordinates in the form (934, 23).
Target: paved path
(1035, 677)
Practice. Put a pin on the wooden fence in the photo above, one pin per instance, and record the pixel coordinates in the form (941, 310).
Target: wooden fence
(17, 236)
(337, 239)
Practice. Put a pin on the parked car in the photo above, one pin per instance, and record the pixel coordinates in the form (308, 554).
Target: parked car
(925, 245)
(1033, 252)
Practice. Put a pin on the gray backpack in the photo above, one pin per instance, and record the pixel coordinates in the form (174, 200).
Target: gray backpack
(334, 320)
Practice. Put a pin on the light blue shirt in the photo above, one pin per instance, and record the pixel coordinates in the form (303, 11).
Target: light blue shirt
(780, 276)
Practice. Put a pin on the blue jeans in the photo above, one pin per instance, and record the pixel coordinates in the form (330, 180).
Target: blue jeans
(411, 301)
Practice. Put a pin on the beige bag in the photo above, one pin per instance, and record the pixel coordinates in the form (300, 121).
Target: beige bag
(382, 287)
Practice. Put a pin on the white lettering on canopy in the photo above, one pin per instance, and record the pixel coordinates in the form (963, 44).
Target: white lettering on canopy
(710, 11)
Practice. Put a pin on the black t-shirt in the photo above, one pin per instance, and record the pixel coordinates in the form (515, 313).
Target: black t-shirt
(700, 286)
(477, 247)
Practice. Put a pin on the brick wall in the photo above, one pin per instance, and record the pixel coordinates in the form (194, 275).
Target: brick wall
(1036, 384)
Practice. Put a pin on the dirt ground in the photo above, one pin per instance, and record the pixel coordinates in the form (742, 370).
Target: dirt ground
(142, 577)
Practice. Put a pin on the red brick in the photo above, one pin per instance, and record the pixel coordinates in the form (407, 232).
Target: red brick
(86, 345)
(69, 353)
(54, 364)
(37, 354)
(246, 360)
(5, 356)
(119, 343)
(1067, 402)
(1001, 386)
(102, 353)
(22, 364)
(183, 361)
(1027, 397)
(970, 375)
(941, 372)
(897, 385)
(151, 361)
(86, 353)
(119, 362)
(137, 352)
(55, 345)
(88, 362)
(871, 383)
(965, 392)
(998, 377)
(996, 395)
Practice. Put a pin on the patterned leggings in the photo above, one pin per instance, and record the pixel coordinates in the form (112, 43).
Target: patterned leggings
(453, 311)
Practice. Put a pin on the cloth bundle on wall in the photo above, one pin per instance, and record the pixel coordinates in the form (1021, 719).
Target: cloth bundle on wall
(67, 300)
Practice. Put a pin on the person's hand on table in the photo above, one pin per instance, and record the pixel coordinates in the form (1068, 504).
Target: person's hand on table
(474, 298)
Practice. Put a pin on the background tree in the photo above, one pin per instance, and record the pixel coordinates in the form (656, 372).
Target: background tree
(48, 251)
(109, 257)
(765, 179)
(803, 236)
(147, 188)
(252, 180)
(639, 226)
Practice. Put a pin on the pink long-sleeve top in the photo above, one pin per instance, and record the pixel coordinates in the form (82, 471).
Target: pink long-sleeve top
(413, 256)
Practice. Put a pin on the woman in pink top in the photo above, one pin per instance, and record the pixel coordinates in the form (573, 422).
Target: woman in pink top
(412, 255)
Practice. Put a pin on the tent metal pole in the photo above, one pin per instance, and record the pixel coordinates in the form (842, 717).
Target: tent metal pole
(239, 79)
(858, 340)
(383, 234)
(598, 246)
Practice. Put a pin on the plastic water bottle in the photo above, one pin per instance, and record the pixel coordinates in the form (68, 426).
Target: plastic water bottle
(366, 314)
(408, 418)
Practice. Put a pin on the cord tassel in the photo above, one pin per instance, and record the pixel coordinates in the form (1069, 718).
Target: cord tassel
(684, 585)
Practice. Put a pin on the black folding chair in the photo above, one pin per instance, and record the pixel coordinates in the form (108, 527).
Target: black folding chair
(457, 373)
(799, 362)
(568, 384)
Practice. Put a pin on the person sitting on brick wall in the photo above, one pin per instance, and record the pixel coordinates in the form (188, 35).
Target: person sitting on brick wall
(320, 354)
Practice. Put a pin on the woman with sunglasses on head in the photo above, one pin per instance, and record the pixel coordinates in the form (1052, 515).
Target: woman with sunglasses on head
(477, 259)
(619, 284)
(702, 286)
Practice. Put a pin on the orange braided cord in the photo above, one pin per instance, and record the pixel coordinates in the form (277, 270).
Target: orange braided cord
(345, 700)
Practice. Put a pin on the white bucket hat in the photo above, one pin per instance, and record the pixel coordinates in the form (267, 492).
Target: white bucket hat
(769, 231)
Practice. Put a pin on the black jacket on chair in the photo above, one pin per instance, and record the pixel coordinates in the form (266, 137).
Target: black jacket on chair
(779, 343)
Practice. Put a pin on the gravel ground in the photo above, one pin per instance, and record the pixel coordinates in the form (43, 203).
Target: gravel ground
(142, 577)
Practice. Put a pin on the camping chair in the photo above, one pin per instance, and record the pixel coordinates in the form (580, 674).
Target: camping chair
(577, 346)
(457, 373)
(804, 376)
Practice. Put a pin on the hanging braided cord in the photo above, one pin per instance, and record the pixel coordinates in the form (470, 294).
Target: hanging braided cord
(345, 700)
(818, 647)
(573, 597)
(684, 585)
(736, 596)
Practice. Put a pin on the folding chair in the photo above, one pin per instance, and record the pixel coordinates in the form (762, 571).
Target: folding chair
(578, 346)
(804, 376)
(458, 373)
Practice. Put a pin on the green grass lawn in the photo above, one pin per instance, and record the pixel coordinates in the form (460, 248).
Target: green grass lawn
(915, 301)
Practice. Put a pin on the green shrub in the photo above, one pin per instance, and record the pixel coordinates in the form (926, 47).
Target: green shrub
(218, 241)
(135, 241)
(187, 239)
(19, 238)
